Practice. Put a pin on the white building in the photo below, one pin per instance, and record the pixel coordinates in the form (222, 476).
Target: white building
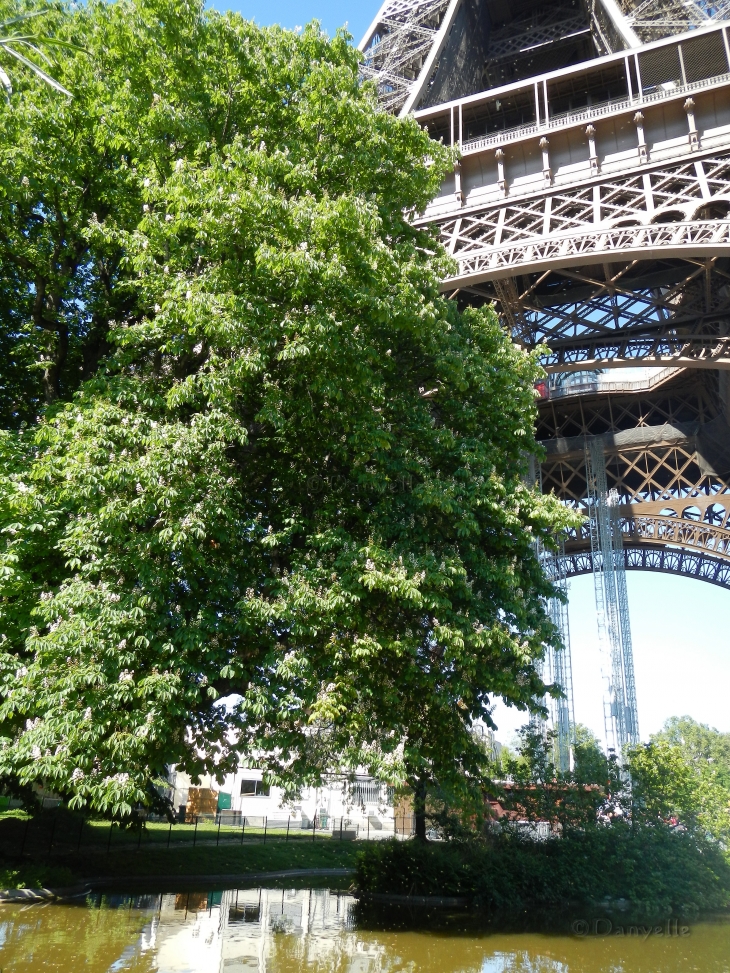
(361, 804)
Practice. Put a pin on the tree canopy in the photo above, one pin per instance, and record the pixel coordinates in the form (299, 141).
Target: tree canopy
(249, 450)
(683, 773)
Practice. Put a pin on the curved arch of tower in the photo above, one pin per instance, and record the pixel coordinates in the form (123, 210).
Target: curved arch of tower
(591, 203)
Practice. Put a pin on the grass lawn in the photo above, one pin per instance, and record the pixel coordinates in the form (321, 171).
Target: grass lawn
(58, 850)
(49, 857)
(64, 832)
(272, 857)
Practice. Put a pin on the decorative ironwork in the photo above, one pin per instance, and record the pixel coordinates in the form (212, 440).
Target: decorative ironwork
(687, 564)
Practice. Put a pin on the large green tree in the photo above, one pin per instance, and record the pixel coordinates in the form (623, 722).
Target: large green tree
(684, 773)
(249, 450)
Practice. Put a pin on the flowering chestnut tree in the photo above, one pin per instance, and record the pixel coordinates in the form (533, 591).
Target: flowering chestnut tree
(249, 450)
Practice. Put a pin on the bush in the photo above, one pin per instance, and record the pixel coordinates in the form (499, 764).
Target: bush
(32, 876)
(651, 867)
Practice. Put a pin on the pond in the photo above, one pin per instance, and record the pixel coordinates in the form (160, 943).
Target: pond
(266, 930)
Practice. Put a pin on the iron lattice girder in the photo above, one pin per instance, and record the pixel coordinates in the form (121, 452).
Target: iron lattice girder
(640, 196)
(695, 351)
(703, 239)
(665, 442)
(398, 46)
(525, 36)
(654, 19)
(669, 472)
(704, 567)
(639, 475)
(669, 312)
(655, 531)
(673, 397)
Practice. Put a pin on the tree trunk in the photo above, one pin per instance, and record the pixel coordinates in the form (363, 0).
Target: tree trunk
(419, 809)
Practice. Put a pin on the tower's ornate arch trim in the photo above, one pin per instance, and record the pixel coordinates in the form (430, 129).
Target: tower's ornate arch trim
(688, 564)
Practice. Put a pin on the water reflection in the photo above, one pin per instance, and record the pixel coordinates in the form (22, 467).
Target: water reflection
(275, 931)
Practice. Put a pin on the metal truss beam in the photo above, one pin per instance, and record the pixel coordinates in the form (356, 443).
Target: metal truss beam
(656, 531)
(667, 472)
(401, 46)
(612, 30)
(688, 564)
(692, 351)
(679, 399)
(654, 19)
(543, 28)
(700, 239)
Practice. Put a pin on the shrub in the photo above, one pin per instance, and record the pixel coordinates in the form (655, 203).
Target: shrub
(651, 867)
(35, 876)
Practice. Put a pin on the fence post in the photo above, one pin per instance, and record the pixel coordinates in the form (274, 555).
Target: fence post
(314, 825)
(266, 825)
(340, 827)
(139, 839)
(288, 820)
(368, 827)
(169, 835)
(109, 842)
(220, 822)
(243, 827)
(195, 833)
(81, 831)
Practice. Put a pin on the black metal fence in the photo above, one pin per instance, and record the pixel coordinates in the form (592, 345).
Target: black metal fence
(56, 832)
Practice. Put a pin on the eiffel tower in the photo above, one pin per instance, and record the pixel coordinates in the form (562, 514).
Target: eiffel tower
(591, 204)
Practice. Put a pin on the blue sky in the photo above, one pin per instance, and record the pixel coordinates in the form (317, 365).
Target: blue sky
(330, 13)
(679, 625)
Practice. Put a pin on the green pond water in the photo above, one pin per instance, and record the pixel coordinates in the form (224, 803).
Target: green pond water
(260, 930)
